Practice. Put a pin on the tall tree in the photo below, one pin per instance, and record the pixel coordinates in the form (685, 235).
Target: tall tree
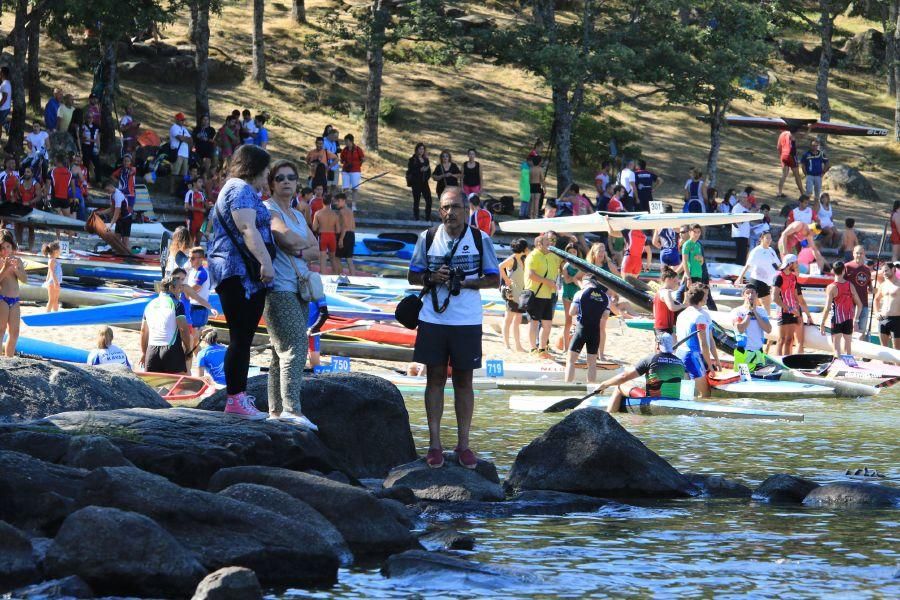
(19, 37)
(34, 62)
(200, 37)
(896, 67)
(828, 10)
(298, 11)
(376, 39)
(710, 56)
(259, 47)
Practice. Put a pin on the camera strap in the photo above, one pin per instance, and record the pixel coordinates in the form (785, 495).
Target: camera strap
(448, 259)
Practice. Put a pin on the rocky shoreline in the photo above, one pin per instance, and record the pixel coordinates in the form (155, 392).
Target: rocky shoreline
(105, 492)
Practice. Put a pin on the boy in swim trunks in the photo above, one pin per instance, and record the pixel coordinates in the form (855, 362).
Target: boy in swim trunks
(347, 237)
(327, 225)
(536, 189)
(887, 303)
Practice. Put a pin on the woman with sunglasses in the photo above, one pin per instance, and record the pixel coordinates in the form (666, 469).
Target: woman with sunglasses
(446, 173)
(286, 314)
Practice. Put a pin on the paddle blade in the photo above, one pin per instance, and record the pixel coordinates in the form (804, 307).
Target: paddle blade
(566, 404)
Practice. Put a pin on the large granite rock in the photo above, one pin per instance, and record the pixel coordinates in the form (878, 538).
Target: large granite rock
(94, 451)
(180, 69)
(231, 583)
(854, 494)
(865, 50)
(365, 522)
(32, 389)
(451, 483)
(17, 564)
(848, 181)
(273, 499)
(187, 446)
(37, 442)
(784, 488)
(220, 531)
(121, 553)
(362, 418)
(589, 452)
(37, 495)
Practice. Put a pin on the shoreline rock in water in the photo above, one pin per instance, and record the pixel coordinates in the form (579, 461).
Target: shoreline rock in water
(589, 452)
(451, 483)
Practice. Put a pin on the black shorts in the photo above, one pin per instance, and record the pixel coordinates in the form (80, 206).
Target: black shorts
(586, 336)
(165, 359)
(123, 227)
(60, 203)
(346, 251)
(332, 177)
(889, 326)
(845, 328)
(541, 309)
(788, 319)
(458, 344)
(535, 188)
(762, 289)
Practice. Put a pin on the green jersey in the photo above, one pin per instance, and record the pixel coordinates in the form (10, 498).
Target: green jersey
(694, 261)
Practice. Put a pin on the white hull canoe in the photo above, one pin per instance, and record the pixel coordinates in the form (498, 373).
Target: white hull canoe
(547, 370)
(772, 389)
(596, 222)
(40, 218)
(656, 407)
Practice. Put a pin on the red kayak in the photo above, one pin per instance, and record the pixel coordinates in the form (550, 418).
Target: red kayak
(354, 329)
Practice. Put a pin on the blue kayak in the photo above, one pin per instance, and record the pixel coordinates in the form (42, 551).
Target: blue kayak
(132, 311)
(382, 244)
(49, 350)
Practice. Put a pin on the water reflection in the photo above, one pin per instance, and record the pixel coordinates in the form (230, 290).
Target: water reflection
(696, 547)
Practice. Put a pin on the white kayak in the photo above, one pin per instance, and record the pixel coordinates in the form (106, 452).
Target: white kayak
(814, 340)
(759, 388)
(596, 222)
(654, 407)
(415, 383)
(545, 370)
(47, 219)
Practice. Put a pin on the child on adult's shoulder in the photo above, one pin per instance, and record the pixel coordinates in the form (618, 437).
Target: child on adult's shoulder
(849, 240)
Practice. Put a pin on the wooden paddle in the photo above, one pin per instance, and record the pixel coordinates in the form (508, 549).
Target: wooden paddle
(570, 403)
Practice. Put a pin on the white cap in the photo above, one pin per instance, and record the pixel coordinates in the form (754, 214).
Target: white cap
(666, 342)
(788, 259)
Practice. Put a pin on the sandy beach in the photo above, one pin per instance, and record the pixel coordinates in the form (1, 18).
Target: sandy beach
(623, 344)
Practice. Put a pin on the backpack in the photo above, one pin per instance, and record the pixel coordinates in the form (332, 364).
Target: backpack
(479, 244)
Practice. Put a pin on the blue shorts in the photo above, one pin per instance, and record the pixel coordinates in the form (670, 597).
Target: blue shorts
(695, 365)
(199, 316)
(670, 257)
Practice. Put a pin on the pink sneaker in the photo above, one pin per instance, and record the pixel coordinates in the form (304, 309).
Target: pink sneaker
(435, 458)
(241, 406)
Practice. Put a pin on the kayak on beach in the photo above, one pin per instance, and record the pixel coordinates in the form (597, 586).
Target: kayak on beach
(596, 222)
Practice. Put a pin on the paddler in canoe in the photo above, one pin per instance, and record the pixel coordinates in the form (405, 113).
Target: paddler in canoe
(663, 373)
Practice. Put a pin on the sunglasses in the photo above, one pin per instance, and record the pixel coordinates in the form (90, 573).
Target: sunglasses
(280, 178)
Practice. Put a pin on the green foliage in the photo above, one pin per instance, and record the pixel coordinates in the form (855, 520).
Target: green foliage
(390, 112)
(590, 137)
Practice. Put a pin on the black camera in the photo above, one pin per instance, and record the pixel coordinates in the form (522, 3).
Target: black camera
(455, 282)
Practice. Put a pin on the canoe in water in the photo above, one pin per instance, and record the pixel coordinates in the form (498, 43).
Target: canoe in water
(771, 389)
(656, 407)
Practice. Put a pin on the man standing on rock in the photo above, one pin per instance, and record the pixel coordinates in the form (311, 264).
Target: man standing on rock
(453, 262)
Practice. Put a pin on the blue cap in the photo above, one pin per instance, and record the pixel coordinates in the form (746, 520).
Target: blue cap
(666, 342)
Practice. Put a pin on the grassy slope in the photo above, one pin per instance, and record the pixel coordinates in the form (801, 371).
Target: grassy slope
(483, 106)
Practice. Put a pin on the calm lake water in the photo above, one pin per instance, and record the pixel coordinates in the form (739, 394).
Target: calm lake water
(694, 547)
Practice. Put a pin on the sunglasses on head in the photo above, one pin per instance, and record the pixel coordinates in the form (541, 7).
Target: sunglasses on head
(280, 178)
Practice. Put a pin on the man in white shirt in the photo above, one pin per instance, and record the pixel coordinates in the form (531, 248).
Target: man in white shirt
(751, 324)
(627, 181)
(180, 143)
(740, 232)
(37, 140)
(453, 268)
(804, 212)
(761, 269)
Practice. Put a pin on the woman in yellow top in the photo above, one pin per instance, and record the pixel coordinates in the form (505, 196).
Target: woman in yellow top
(541, 273)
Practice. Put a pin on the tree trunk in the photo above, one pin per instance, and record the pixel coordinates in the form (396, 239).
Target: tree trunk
(259, 48)
(375, 63)
(892, 47)
(562, 126)
(896, 67)
(716, 114)
(17, 79)
(192, 21)
(34, 63)
(298, 11)
(544, 14)
(201, 58)
(826, 31)
(109, 80)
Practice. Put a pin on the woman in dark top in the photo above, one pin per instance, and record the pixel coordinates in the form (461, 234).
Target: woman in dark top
(418, 174)
(471, 175)
(446, 173)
